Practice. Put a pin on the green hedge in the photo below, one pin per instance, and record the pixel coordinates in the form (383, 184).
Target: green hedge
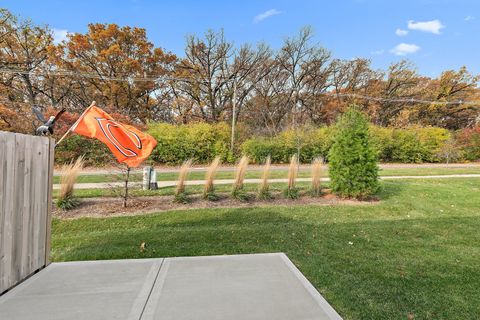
(94, 152)
(200, 141)
(310, 142)
(412, 145)
(203, 142)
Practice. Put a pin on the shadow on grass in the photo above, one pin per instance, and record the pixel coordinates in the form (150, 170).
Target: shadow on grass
(389, 189)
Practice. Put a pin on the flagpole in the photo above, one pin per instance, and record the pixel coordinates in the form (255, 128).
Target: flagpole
(75, 124)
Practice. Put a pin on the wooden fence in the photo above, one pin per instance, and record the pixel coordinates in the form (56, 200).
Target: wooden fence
(26, 170)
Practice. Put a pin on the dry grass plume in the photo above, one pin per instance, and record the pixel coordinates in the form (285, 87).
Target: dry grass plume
(182, 176)
(317, 170)
(209, 190)
(291, 192)
(237, 190)
(292, 172)
(240, 173)
(70, 172)
(263, 188)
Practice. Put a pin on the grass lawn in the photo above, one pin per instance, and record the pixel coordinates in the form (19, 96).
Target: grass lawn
(199, 175)
(417, 252)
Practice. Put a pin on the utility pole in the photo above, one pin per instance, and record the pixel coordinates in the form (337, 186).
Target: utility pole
(295, 127)
(234, 111)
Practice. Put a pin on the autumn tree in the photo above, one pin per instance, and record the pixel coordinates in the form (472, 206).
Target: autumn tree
(449, 92)
(117, 67)
(299, 84)
(300, 59)
(24, 49)
(267, 111)
(23, 55)
(250, 66)
(293, 90)
(210, 72)
(204, 74)
(401, 84)
(6, 18)
(350, 80)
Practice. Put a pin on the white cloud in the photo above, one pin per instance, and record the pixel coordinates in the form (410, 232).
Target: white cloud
(401, 32)
(468, 18)
(267, 14)
(403, 49)
(433, 26)
(377, 52)
(59, 35)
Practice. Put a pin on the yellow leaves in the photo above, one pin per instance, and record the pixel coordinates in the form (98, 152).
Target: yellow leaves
(113, 51)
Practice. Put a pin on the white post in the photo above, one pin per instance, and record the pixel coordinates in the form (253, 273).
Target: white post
(153, 179)
(146, 178)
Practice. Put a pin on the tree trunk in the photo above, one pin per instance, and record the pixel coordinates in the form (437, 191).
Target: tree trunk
(125, 194)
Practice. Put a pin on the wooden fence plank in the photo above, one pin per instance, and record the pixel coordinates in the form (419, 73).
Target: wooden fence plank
(37, 262)
(26, 170)
(27, 212)
(9, 201)
(32, 206)
(43, 166)
(3, 169)
(49, 188)
(19, 161)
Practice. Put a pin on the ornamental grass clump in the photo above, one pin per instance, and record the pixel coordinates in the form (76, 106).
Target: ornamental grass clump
(264, 188)
(66, 199)
(180, 194)
(353, 165)
(238, 191)
(291, 192)
(209, 190)
(317, 170)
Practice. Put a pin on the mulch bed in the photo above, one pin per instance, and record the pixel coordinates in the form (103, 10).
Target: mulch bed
(109, 207)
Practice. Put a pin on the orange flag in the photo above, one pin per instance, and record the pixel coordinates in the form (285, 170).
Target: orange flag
(127, 143)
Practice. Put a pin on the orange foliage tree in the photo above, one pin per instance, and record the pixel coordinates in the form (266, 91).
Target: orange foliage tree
(116, 52)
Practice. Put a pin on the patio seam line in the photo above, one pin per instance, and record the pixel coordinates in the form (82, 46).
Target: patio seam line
(150, 308)
(151, 289)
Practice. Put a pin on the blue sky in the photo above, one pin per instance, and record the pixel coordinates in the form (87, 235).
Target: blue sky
(435, 34)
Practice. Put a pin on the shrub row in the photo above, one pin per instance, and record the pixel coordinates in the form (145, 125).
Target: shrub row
(412, 145)
(95, 152)
(468, 140)
(309, 143)
(203, 142)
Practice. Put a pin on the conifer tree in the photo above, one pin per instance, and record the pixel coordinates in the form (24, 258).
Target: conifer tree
(353, 165)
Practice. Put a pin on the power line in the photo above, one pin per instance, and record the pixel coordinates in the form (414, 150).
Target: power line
(405, 100)
(66, 73)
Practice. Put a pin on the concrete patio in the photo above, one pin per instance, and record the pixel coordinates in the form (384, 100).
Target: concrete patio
(257, 286)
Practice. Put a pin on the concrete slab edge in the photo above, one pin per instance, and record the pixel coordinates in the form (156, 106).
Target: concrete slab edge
(55, 264)
(149, 311)
(311, 289)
